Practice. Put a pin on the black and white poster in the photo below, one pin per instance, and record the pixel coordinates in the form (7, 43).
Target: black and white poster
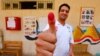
(87, 16)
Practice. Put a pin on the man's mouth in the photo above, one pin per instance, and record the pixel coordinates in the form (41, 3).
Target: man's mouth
(63, 17)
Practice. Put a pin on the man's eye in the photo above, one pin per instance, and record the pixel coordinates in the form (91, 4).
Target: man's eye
(67, 11)
(62, 10)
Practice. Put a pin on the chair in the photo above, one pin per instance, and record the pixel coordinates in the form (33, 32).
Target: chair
(81, 50)
(12, 47)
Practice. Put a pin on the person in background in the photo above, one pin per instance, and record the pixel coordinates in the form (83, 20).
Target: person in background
(57, 38)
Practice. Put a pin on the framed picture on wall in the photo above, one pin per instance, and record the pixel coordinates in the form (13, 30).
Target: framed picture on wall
(87, 16)
(30, 27)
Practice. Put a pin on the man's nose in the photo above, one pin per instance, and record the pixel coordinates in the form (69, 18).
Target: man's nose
(65, 12)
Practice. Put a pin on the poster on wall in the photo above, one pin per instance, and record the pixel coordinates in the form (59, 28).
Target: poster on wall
(87, 16)
(13, 23)
(30, 27)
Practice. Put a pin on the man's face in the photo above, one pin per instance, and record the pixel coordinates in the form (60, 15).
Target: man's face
(63, 13)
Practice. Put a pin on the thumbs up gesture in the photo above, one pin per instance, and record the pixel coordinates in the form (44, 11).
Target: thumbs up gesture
(45, 44)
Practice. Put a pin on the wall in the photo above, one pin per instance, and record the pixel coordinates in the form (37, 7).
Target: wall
(73, 19)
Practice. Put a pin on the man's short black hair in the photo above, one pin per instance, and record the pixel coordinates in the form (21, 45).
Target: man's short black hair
(65, 4)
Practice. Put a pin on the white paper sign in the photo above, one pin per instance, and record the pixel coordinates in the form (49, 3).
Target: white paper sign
(11, 22)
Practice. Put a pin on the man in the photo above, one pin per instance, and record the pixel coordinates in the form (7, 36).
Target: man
(56, 40)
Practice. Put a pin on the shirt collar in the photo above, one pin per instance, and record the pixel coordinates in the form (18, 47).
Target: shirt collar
(58, 23)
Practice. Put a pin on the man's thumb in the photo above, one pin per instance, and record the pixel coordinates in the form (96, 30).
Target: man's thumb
(51, 22)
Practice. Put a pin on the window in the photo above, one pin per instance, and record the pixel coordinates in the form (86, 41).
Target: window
(49, 5)
(28, 5)
(23, 4)
(7, 5)
(15, 6)
(40, 5)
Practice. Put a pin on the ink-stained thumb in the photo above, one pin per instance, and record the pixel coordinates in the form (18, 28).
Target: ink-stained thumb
(51, 22)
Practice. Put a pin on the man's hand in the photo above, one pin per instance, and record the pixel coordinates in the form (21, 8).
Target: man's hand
(45, 44)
